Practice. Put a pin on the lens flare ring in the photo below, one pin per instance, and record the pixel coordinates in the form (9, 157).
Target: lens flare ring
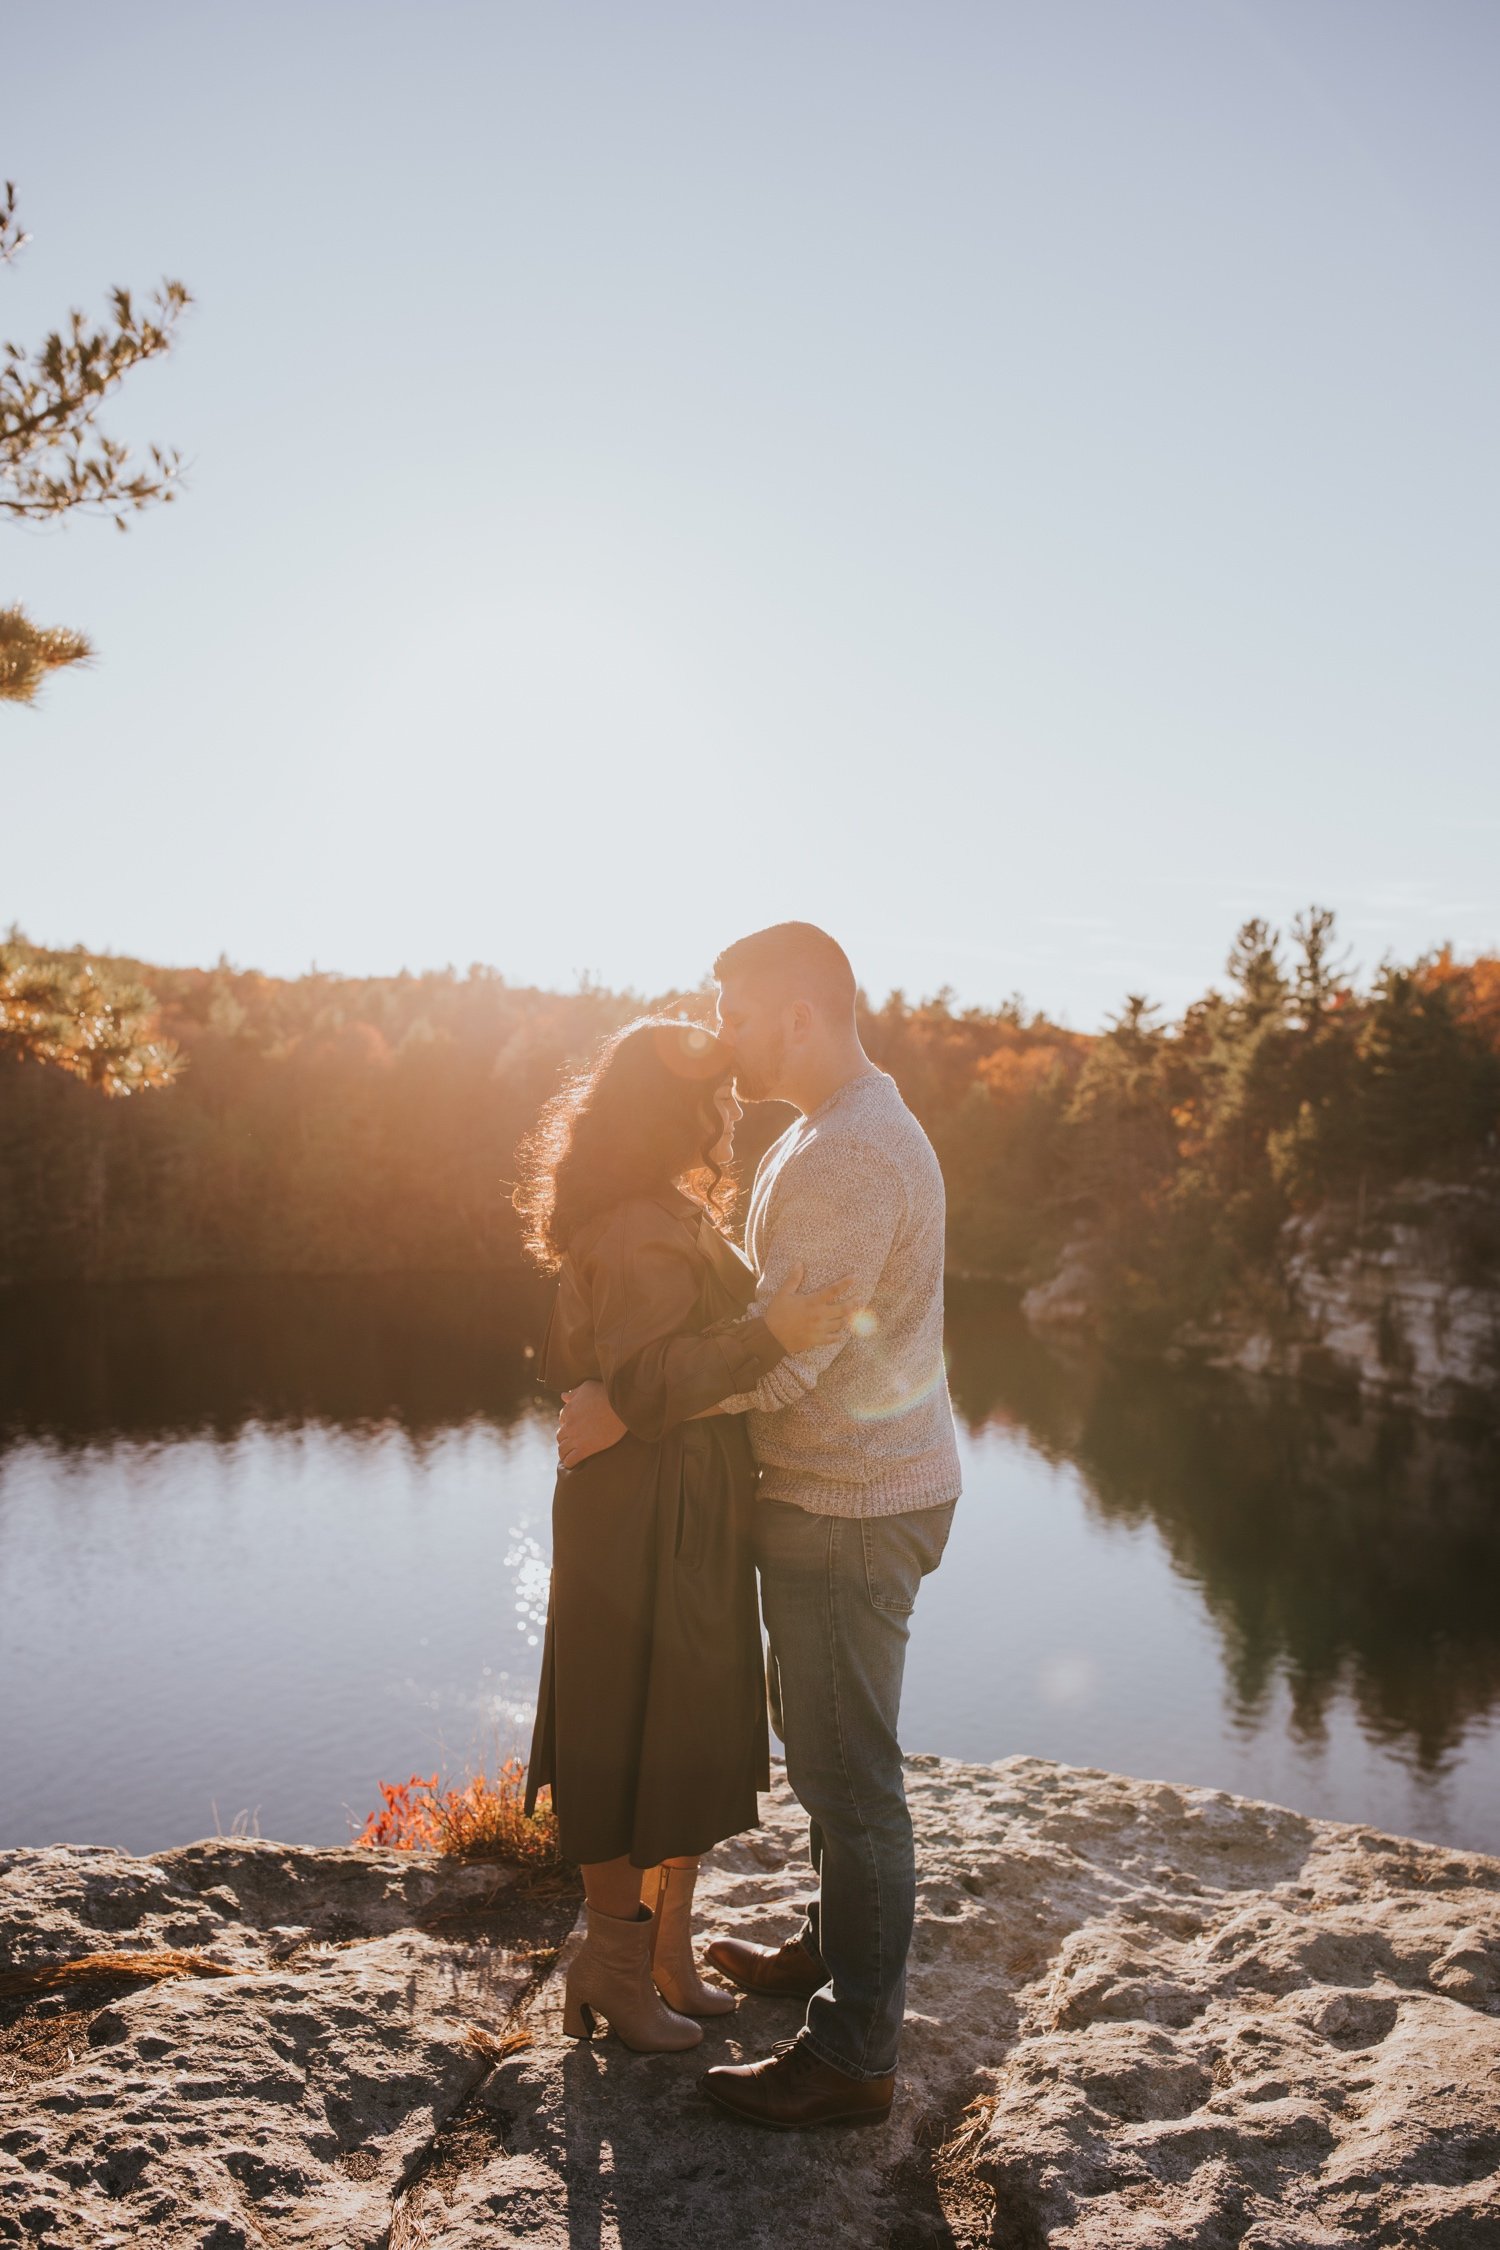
(903, 1401)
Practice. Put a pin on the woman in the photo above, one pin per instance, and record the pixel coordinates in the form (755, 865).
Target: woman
(651, 1720)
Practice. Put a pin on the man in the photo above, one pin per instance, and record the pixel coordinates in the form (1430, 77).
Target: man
(859, 1476)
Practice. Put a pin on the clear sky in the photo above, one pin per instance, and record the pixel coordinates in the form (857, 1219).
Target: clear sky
(1017, 483)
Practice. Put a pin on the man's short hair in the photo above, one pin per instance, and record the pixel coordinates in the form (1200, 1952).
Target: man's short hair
(799, 960)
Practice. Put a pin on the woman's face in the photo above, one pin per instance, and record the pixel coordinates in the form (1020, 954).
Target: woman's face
(731, 1113)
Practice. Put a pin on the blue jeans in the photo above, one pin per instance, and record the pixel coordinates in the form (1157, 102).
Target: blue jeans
(838, 1592)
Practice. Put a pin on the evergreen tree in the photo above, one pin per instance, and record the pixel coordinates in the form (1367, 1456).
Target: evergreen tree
(1119, 1118)
(1238, 1054)
(1314, 1148)
(1427, 1085)
(1255, 971)
(1318, 980)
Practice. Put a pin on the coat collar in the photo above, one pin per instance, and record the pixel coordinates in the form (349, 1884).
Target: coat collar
(711, 1242)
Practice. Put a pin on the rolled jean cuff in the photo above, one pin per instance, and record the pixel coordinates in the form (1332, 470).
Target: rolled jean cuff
(838, 2062)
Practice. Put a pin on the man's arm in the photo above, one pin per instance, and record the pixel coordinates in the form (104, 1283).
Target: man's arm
(642, 1276)
(641, 1387)
(838, 1207)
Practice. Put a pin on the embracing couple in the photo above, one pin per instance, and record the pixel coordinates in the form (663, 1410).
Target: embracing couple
(786, 1412)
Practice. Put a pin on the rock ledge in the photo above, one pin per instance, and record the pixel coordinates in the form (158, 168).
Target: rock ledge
(1140, 2018)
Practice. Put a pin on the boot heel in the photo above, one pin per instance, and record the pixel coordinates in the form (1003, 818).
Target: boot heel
(578, 2019)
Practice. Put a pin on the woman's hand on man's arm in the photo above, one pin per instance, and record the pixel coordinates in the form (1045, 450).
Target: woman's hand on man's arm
(803, 1320)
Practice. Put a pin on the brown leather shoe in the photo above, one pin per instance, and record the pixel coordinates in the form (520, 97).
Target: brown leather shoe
(793, 2087)
(791, 1971)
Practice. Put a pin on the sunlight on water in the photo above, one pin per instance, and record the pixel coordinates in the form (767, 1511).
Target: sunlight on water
(530, 1562)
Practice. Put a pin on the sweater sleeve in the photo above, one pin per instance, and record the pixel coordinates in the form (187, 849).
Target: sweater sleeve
(644, 1278)
(838, 1208)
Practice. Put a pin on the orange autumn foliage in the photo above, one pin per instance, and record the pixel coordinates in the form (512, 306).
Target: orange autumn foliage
(1473, 989)
(481, 1818)
(368, 1125)
(1011, 1074)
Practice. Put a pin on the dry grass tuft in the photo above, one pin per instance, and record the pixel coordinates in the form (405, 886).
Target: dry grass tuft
(972, 2127)
(496, 2045)
(152, 1966)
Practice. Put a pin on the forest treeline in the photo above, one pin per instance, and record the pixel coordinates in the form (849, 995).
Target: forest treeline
(329, 1124)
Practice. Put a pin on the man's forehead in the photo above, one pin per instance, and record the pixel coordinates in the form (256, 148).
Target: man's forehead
(750, 999)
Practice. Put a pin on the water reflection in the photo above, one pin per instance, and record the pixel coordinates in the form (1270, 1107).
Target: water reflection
(1343, 1550)
(422, 1352)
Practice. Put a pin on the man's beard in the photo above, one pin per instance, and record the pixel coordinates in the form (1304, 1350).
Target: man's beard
(758, 1085)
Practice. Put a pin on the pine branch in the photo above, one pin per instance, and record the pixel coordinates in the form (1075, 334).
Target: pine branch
(29, 652)
(53, 455)
(12, 240)
(74, 1015)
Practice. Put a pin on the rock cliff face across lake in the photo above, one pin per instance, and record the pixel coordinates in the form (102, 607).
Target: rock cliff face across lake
(1138, 2016)
(1398, 1300)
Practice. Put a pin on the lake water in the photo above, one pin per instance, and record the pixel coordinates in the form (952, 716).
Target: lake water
(264, 1545)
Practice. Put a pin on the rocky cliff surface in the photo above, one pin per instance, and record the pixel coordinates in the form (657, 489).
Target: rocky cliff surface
(1397, 1299)
(1140, 2018)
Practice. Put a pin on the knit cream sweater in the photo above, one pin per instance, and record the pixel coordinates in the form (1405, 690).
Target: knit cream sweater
(863, 1427)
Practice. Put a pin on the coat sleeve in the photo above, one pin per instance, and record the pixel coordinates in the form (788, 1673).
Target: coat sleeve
(839, 1208)
(658, 1368)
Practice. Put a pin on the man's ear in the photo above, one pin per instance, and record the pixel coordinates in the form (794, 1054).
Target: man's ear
(800, 1021)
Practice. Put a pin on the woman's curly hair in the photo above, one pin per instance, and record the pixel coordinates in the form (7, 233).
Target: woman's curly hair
(640, 1115)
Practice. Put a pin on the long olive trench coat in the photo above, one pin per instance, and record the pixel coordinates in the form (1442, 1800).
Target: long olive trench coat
(651, 1714)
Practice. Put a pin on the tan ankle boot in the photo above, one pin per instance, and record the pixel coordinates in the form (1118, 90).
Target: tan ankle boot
(668, 1891)
(610, 1975)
